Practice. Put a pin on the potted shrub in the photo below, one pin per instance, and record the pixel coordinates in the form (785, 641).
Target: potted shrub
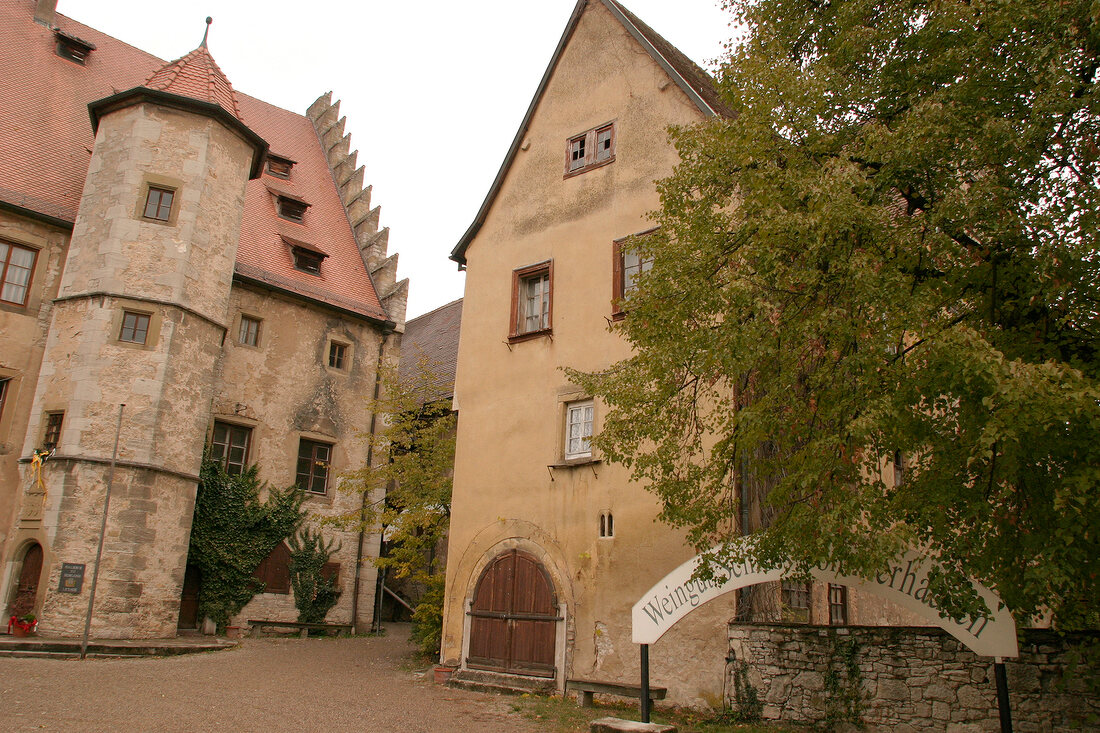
(24, 625)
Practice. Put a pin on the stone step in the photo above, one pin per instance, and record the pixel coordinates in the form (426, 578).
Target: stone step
(499, 682)
(67, 648)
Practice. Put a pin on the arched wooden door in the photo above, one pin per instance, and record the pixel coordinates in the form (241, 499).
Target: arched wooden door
(26, 590)
(513, 624)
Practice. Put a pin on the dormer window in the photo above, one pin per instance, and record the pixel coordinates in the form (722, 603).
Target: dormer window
(72, 48)
(279, 167)
(307, 258)
(292, 209)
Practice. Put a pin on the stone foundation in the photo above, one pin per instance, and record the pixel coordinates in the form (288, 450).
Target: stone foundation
(908, 679)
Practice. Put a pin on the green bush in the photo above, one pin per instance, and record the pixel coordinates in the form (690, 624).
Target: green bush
(314, 594)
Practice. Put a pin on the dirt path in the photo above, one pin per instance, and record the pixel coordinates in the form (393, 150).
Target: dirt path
(363, 684)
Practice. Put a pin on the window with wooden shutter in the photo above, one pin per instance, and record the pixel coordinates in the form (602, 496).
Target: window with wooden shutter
(274, 570)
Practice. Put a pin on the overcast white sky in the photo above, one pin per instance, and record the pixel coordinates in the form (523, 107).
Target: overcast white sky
(433, 91)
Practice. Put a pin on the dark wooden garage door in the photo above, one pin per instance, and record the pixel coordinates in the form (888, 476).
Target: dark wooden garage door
(513, 622)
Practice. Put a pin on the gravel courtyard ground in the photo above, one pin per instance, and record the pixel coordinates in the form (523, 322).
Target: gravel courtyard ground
(361, 684)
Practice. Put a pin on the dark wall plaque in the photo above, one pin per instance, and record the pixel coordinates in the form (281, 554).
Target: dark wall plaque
(72, 577)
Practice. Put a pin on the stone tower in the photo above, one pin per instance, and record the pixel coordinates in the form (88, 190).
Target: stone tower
(140, 319)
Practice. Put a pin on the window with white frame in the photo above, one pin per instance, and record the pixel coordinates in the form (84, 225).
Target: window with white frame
(578, 430)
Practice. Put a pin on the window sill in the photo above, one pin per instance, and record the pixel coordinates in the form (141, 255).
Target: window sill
(576, 462)
(618, 315)
(517, 337)
(592, 167)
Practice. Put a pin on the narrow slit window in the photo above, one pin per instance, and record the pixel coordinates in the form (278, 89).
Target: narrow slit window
(607, 525)
(158, 203)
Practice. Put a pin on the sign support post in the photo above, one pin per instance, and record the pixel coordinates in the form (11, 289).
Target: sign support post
(1002, 694)
(102, 535)
(645, 683)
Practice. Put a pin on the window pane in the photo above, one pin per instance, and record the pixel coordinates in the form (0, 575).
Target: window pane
(576, 154)
(603, 144)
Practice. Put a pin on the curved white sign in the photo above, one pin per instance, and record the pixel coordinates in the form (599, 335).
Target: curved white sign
(904, 582)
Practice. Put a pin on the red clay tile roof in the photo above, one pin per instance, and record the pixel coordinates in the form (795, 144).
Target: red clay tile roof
(196, 75)
(46, 143)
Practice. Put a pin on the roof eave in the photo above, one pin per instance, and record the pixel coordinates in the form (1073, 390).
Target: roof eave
(101, 107)
(384, 324)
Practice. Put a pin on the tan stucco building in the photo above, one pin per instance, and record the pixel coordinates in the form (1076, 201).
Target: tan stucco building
(550, 546)
(211, 262)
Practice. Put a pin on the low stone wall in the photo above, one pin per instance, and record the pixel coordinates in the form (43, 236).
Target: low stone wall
(907, 679)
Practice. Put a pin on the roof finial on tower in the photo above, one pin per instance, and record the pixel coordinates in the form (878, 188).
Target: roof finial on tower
(209, 20)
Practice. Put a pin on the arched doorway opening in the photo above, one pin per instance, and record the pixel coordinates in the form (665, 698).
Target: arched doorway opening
(514, 617)
(26, 585)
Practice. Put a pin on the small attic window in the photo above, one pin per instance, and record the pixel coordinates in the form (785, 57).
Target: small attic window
(72, 48)
(307, 257)
(279, 167)
(291, 209)
(307, 261)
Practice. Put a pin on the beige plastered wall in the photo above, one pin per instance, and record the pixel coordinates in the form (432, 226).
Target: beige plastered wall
(284, 390)
(511, 396)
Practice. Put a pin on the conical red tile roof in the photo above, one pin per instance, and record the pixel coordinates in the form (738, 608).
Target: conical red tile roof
(196, 75)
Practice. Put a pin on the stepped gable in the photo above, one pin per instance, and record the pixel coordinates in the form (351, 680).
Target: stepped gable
(197, 76)
(46, 144)
(265, 254)
(373, 243)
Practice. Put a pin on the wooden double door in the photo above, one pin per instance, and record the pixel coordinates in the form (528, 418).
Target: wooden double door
(514, 618)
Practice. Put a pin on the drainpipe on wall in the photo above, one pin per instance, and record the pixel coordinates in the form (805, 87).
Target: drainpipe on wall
(366, 492)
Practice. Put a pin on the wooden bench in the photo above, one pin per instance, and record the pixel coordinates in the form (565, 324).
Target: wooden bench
(588, 687)
(302, 628)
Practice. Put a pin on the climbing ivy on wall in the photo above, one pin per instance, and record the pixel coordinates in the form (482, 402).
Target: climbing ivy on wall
(232, 532)
(314, 594)
(843, 686)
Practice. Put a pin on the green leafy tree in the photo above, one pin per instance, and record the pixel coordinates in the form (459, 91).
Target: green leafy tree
(889, 245)
(415, 442)
(232, 532)
(314, 593)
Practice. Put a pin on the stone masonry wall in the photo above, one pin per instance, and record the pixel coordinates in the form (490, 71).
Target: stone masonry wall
(909, 679)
